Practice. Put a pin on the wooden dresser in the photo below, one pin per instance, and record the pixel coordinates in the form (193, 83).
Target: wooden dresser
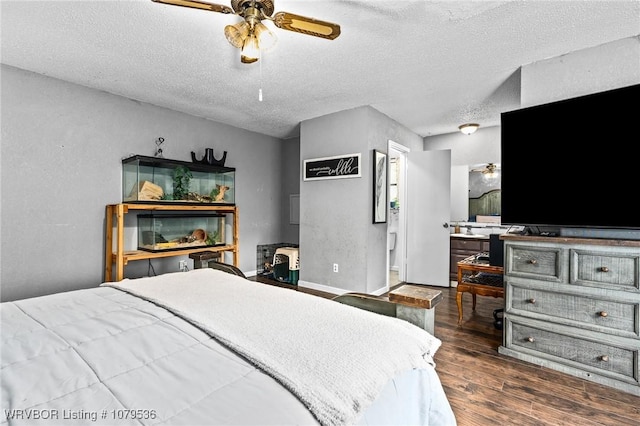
(462, 248)
(573, 305)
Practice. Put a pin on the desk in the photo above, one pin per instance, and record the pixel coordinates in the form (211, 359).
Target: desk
(478, 278)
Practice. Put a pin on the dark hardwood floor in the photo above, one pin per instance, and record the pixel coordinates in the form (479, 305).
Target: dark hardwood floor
(487, 388)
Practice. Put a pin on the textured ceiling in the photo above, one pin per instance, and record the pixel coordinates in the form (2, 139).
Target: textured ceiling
(430, 65)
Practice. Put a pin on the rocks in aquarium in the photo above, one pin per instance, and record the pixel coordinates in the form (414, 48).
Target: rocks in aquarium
(148, 191)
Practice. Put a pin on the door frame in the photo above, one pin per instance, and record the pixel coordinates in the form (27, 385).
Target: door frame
(401, 240)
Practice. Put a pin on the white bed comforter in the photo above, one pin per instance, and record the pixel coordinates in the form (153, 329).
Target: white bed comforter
(104, 356)
(334, 357)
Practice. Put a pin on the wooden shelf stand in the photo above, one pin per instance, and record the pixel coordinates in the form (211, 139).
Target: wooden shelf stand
(119, 258)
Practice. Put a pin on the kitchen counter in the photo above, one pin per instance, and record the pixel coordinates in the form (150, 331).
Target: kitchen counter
(475, 236)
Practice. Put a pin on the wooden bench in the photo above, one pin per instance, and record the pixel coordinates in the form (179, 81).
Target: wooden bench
(413, 303)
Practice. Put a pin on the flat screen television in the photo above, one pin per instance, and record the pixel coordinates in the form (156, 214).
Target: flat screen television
(574, 163)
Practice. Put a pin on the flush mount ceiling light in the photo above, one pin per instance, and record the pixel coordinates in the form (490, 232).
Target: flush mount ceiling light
(250, 35)
(468, 128)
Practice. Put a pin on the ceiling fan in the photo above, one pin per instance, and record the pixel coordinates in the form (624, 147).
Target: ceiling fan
(490, 169)
(251, 35)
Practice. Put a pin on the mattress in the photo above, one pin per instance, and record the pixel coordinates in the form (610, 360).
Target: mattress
(107, 356)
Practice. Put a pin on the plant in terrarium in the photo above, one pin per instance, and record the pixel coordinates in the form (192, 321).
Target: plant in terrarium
(181, 180)
(212, 238)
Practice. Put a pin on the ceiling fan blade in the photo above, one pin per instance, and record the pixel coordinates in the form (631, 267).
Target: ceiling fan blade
(198, 5)
(304, 25)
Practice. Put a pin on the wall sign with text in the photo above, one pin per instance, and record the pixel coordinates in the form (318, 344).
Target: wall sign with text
(338, 167)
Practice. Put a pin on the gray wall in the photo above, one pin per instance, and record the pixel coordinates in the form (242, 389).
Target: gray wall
(62, 146)
(605, 67)
(290, 169)
(336, 215)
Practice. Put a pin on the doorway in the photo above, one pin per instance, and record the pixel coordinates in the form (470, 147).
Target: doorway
(396, 227)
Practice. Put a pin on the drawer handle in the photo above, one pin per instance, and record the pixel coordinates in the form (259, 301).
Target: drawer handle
(533, 261)
(604, 269)
(532, 300)
(530, 339)
(604, 358)
(603, 314)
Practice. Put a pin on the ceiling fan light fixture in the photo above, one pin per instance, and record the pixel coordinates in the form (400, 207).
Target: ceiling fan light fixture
(236, 34)
(490, 171)
(250, 50)
(468, 128)
(266, 39)
(251, 35)
(247, 60)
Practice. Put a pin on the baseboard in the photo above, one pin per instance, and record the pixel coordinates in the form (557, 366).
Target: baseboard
(379, 292)
(335, 290)
(321, 287)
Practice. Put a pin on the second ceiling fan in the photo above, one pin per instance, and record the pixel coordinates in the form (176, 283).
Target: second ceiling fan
(251, 35)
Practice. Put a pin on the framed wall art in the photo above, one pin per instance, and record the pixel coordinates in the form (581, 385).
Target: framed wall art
(379, 187)
(337, 167)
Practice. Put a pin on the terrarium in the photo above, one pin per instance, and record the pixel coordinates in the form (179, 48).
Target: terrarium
(161, 232)
(160, 180)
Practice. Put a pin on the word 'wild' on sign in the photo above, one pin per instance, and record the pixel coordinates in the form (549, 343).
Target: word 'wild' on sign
(338, 167)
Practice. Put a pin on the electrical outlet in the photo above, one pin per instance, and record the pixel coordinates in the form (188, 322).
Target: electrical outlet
(335, 267)
(182, 265)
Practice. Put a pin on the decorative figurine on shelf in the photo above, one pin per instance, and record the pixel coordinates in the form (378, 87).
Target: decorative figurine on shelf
(197, 235)
(209, 158)
(158, 149)
(218, 193)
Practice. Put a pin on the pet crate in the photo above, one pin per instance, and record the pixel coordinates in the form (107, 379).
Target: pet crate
(286, 265)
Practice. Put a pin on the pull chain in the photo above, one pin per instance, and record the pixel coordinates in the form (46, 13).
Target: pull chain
(260, 89)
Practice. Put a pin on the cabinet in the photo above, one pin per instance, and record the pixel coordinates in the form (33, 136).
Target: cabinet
(463, 247)
(573, 305)
(116, 258)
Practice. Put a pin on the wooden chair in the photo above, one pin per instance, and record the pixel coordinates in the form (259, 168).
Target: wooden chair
(227, 268)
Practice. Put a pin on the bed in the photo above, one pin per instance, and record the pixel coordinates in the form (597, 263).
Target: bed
(207, 347)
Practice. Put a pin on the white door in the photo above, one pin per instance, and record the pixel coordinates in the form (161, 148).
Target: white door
(428, 214)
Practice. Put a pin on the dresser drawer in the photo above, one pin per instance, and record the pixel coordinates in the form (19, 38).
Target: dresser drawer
(617, 270)
(470, 245)
(607, 360)
(607, 316)
(540, 263)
